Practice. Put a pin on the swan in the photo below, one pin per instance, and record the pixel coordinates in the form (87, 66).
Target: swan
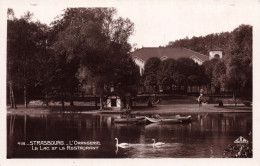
(122, 145)
(157, 143)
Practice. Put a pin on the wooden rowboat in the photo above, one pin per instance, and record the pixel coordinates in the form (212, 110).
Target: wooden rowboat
(130, 120)
(176, 119)
(184, 119)
(161, 120)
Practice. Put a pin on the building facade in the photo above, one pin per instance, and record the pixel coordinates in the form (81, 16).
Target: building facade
(140, 56)
(215, 54)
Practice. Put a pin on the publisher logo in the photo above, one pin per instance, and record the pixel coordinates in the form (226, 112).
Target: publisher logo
(241, 140)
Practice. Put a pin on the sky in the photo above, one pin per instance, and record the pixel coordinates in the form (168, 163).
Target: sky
(156, 22)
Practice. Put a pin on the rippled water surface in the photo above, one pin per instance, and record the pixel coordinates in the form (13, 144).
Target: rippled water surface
(207, 136)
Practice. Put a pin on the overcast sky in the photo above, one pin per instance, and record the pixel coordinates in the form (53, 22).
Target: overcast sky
(157, 23)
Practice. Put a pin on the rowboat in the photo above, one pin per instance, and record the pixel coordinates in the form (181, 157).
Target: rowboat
(176, 119)
(161, 120)
(184, 119)
(130, 120)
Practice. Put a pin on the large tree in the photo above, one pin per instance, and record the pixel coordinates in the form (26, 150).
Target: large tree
(97, 39)
(180, 72)
(150, 72)
(239, 61)
(237, 55)
(187, 72)
(208, 69)
(165, 73)
(25, 47)
(218, 75)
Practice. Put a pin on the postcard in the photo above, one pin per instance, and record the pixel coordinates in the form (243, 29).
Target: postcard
(119, 82)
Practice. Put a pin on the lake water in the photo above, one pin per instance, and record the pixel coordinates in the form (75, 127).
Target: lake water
(205, 137)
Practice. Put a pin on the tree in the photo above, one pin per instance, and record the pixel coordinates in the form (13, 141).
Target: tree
(10, 14)
(204, 44)
(150, 72)
(181, 72)
(24, 46)
(127, 75)
(218, 75)
(239, 61)
(237, 52)
(208, 69)
(186, 72)
(97, 39)
(165, 73)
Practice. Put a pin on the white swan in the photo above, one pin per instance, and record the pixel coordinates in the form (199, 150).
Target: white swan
(122, 145)
(157, 143)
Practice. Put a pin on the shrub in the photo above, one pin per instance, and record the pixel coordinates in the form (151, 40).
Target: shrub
(239, 151)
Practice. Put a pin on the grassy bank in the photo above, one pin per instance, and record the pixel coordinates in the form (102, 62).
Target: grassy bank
(166, 104)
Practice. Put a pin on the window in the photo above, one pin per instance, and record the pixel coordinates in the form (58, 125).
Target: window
(113, 102)
(216, 56)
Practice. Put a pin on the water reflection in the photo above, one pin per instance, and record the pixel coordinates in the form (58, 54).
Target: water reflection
(206, 136)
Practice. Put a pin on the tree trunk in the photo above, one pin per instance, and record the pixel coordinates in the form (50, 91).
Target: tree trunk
(235, 101)
(25, 96)
(46, 100)
(95, 98)
(234, 96)
(11, 97)
(14, 100)
(101, 99)
(71, 100)
(62, 104)
(62, 101)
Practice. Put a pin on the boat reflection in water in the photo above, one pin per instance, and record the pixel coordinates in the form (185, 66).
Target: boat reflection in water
(207, 136)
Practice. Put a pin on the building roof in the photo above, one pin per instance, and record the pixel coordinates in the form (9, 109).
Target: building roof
(171, 52)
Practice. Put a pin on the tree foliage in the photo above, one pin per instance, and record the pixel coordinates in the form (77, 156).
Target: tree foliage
(218, 75)
(83, 45)
(239, 61)
(25, 52)
(208, 69)
(90, 46)
(98, 41)
(234, 72)
(204, 44)
(165, 73)
(150, 71)
(188, 69)
(180, 72)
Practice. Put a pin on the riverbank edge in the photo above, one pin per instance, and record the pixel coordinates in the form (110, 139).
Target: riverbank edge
(160, 109)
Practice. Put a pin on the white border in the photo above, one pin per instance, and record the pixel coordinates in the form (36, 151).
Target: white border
(254, 5)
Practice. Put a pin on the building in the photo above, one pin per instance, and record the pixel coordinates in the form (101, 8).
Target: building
(114, 102)
(216, 53)
(140, 56)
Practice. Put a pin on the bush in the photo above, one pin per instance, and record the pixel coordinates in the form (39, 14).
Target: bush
(239, 151)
